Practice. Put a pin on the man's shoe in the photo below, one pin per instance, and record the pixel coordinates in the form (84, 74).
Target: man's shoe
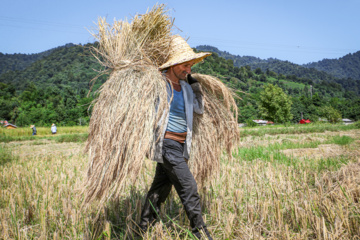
(140, 230)
(197, 233)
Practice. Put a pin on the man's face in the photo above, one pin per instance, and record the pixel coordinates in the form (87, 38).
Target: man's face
(181, 70)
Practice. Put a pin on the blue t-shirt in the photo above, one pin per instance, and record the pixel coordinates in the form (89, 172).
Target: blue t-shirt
(177, 118)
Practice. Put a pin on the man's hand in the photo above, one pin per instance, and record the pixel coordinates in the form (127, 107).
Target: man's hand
(191, 80)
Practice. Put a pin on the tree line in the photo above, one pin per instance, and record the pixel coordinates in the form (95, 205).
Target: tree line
(44, 106)
(308, 97)
(55, 89)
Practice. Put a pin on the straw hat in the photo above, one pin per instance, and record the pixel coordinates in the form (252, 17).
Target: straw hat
(181, 52)
(31, 126)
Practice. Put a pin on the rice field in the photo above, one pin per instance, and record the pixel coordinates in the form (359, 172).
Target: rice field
(42, 131)
(280, 184)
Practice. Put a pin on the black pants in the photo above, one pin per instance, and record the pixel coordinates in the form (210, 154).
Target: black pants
(174, 171)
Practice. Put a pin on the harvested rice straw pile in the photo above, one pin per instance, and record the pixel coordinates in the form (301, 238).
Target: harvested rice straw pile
(124, 117)
(215, 130)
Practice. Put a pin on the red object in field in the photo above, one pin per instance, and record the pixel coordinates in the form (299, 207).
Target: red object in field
(303, 121)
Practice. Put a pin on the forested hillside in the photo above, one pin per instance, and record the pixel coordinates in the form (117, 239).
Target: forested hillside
(345, 67)
(343, 71)
(54, 88)
(68, 66)
(12, 62)
(309, 98)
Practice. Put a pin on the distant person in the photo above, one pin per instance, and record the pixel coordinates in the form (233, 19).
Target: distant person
(53, 128)
(34, 129)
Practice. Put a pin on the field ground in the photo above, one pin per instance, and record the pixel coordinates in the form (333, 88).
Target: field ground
(302, 183)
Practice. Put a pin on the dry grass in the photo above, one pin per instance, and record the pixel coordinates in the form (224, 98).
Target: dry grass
(322, 151)
(250, 199)
(38, 197)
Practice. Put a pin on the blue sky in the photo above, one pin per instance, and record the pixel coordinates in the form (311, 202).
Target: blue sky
(298, 31)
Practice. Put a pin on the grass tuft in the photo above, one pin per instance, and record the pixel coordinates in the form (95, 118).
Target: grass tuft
(6, 156)
(342, 140)
(72, 138)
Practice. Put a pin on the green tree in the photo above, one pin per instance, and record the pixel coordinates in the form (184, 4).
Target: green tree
(248, 112)
(331, 114)
(262, 78)
(298, 109)
(275, 105)
(258, 71)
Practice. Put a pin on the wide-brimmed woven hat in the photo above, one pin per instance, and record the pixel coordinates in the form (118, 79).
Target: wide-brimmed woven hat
(181, 52)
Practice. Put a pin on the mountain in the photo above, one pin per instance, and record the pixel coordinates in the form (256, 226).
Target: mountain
(309, 97)
(328, 70)
(345, 67)
(66, 66)
(18, 61)
(52, 88)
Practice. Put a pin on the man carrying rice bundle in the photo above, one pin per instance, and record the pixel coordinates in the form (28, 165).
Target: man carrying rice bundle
(173, 148)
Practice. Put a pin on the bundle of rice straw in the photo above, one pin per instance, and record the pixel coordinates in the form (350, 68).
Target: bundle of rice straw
(215, 130)
(124, 117)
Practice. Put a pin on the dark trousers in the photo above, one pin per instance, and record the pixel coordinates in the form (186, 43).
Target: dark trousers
(174, 171)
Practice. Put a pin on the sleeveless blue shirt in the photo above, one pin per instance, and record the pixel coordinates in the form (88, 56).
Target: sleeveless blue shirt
(177, 117)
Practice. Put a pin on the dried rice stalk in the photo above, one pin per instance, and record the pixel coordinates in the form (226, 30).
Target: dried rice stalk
(124, 115)
(215, 130)
(145, 40)
(343, 184)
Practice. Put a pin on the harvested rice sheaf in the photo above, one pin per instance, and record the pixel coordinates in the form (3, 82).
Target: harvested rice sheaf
(214, 131)
(121, 131)
(145, 40)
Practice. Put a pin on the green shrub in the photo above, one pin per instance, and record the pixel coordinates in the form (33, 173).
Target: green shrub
(251, 123)
(331, 114)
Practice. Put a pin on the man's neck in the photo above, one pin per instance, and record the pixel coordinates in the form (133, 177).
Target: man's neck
(172, 78)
